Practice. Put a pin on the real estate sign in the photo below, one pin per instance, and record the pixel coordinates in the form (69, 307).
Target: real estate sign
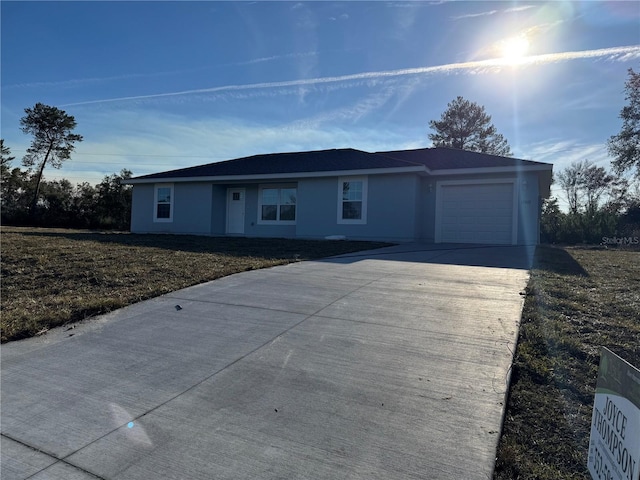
(614, 446)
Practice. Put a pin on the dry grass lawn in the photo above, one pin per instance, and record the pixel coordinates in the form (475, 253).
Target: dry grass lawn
(52, 277)
(579, 299)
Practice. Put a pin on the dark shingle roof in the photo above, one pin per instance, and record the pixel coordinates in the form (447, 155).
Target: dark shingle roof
(441, 158)
(294, 162)
(346, 159)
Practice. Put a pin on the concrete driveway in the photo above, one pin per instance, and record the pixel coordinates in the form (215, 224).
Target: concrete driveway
(388, 364)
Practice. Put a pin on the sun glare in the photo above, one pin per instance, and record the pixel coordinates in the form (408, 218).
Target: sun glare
(514, 49)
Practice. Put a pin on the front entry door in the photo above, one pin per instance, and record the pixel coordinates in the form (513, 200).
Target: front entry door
(235, 210)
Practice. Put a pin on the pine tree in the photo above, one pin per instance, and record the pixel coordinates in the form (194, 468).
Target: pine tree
(466, 125)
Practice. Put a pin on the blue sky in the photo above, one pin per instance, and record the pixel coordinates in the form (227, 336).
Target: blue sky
(162, 85)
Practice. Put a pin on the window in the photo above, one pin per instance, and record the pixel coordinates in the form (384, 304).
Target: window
(277, 204)
(352, 200)
(163, 203)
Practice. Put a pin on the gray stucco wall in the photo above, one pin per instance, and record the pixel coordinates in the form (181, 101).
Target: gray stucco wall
(191, 210)
(392, 203)
(427, 214)
(394, 206)
(218, 209)
(400, 208)
(317, 207)
(528, 206)
(142, 208)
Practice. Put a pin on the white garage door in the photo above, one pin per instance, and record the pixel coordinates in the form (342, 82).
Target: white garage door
(475, 213)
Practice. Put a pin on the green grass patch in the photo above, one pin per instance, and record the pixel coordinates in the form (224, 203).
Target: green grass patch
(578, 299)
(53, 277)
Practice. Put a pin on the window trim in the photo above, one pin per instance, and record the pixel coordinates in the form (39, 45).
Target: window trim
(157, 187)
(351, 221)
(276, 186)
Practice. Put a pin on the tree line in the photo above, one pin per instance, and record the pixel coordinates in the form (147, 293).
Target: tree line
(601, 204)
(26, 198)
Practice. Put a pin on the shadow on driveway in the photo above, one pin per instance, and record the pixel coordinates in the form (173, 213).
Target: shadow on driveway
(512, 257)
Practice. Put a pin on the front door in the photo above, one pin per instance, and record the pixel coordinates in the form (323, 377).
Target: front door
(235, 210)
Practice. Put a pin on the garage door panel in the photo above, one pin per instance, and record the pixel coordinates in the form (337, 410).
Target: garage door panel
(476, 213)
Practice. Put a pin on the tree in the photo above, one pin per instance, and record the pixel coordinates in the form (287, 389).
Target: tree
(596, 200)
(596, 181)
(625, 146)
(57, 200)
(10, 182)
(85, 206)
(584, 184)
(550, 221)
(113, 203)
(16, 188)
(5, 155)
(53, 141)
(570, 180)
(466, 125)
(5, 163)
(629, 221)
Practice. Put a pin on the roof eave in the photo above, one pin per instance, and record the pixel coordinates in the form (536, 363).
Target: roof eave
(508, 169)
(277, 176)
(420, 169)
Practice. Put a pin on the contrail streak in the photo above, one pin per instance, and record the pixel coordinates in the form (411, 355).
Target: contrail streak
(625, 53)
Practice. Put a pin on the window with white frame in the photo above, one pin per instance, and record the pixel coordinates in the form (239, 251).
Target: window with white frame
(163, 203)
(277, 204)
(352, 200)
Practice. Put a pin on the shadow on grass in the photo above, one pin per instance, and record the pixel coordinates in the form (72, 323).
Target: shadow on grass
(343, 251)
(276, 248)
(557, 260)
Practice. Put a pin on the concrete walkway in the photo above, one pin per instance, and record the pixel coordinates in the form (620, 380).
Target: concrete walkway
(389, 364)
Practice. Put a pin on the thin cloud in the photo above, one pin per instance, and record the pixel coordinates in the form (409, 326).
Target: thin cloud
(344, 16)
(475, 15)
(82, 81)
(519, 9)
(476, 67)
(277, 57)
(492, 12)
(627, 56)
(563, 152)
(412, 4)
(351, 112)
(621, 54)
(72, 83)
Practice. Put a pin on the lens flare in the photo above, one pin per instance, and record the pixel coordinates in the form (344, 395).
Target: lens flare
(514, 49)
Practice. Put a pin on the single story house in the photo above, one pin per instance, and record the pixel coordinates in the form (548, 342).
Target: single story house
(431, 195)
